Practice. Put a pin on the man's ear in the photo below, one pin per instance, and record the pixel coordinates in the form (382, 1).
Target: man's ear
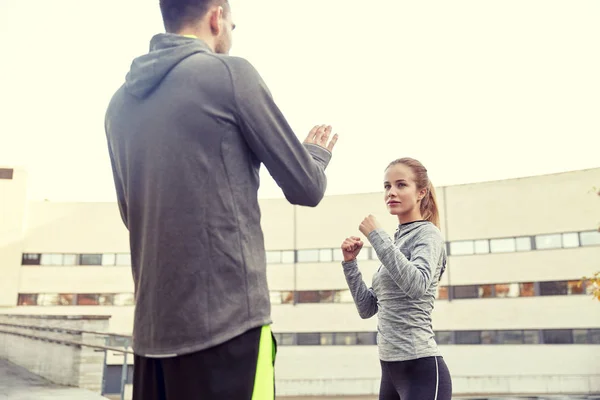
(216, 20)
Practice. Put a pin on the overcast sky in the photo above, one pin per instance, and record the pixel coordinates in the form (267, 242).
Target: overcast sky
(477, 90)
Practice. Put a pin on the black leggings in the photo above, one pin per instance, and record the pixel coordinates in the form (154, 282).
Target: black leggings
(425, 378)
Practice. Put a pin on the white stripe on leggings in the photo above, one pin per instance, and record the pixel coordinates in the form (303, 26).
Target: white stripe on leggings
(437, 381)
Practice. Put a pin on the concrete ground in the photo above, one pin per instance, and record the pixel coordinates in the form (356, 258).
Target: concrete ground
(16, 383)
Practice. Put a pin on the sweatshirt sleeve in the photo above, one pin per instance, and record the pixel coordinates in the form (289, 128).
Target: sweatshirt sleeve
(413, 276)
(298, 169)
(364, 298)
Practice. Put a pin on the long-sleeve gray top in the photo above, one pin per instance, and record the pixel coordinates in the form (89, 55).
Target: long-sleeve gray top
(403, 289)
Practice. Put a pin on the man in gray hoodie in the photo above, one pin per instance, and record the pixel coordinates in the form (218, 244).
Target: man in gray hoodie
(187, 133)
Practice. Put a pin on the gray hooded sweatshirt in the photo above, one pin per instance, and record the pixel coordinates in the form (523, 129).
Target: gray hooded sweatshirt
(187, 133)
(403, 289)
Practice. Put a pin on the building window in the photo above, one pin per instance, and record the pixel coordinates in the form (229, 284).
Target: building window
(88, 300)
(591, 238)
(489, 337)
(308, 256)
(594, 336)
(90, 259)
(575, 287)
(507, 290)
(345, 339)
(468, 337)
(106, 300)
(486, 291)
(580, 336)
(545, 242)
(285, 339)
(273, 257)
(326, 296)
(531, 337)
(557, 336)
(523, 243)
(275, 297)
(482, 246)
(6, 173)
(366, 338)
(27, 300)
(553, 288)
(31, 259)
(325, 255)
(527, 289)
(109, 259)
(510, 337)
(69, 259)
(570, 240)
(124, 299)
(343, 296)
(308, 296)
(443, 337)
(52, 259)
(462, 248)
(503, 245)
(123, 259)
(465, 292)
(52, 299)
(308, 339)
(443, 293)
(327, 339)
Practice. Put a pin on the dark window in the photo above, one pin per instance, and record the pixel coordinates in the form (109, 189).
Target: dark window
(308, 296)
(113, 378)
(510, 337)
(465, 292)
(88, 300)
(308, 339)
(31, 259)
(553, 288)
(27, 300)
(366, 338)
(6, 173)
(557, 336)
(90, 259)
(443, 337)
(468, 337)
(594, 336)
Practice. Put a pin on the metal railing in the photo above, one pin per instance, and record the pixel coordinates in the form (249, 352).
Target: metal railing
(108, 337)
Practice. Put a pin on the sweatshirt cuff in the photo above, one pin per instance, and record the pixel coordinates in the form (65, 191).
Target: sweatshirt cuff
(320, 154)
(348, 265)
(379, 239)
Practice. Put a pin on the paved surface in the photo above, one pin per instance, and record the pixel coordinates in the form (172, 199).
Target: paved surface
(17, 383)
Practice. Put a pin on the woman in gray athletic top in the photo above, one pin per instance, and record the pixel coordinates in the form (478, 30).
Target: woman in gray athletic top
(404, 287)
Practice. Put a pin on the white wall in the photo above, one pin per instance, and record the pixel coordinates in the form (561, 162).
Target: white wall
(12, 212)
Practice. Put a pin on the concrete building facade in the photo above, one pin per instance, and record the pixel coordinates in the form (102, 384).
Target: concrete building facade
(510, 317)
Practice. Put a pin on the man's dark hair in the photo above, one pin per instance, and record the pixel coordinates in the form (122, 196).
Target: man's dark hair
(177, 13)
